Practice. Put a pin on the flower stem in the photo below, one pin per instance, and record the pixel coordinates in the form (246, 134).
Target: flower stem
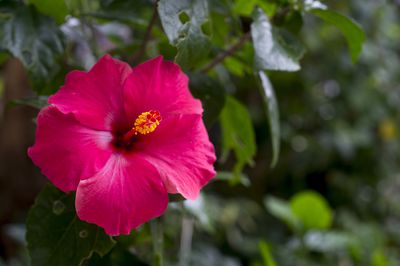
(186, 240)
(158, 239)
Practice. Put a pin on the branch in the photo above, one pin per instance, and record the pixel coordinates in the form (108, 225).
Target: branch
(136, 57)
(280, 15)
(219, 58)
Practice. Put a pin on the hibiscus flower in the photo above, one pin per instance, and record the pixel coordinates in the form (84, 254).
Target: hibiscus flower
(123, 138)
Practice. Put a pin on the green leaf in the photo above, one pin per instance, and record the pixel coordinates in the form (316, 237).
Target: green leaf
(268, 7)
(281, 210)
(220, 29)
(272, 114)
(235, 66)
(56, 236)
(312, 210)
(192, 44)
(228, 176)
(351, 30)
(53, 8)
(211, 94)
(237, 133)
(32, 38)
(378, 258)
(37, 102)
(274, 49)
(266, 254)
(244, 7)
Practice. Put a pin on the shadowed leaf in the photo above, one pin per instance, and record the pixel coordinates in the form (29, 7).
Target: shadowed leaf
(55, 234)
(32, 38)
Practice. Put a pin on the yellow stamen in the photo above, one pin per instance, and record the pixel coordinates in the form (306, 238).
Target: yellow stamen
(147, 122)
(144, 124)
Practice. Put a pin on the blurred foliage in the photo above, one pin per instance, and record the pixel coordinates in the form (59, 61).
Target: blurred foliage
(278, 88)
(34, 39)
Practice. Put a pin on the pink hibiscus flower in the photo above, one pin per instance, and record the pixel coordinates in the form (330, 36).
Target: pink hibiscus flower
(124, 138)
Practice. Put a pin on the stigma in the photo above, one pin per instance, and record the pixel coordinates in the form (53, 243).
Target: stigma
(145, 123)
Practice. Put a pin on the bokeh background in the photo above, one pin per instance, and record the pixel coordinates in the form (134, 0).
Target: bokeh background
(333, 198)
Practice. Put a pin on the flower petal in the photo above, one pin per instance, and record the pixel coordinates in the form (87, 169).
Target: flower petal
(66, 151)
(95, 97)
(182, 153)
(124, 194)
(159, 85)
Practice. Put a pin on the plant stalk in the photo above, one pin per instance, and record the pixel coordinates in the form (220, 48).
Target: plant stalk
(157, 234)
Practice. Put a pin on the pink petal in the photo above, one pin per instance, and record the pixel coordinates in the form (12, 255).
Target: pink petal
(159, 85)
(124, 194)
(66, 151)
(95, 97)
(180, 150)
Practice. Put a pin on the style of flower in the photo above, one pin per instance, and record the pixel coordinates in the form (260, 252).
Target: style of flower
(124, 138)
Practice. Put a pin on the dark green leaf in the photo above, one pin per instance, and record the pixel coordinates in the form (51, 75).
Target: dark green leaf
(56, 236)
(130, 12)
(237, 133)
(274, 49)
(53, 8)
(225, 26)
(32, 38)
(193, 45)
(312, 209)
(351, 30)
(37, 102)
(119, 256)
(272, 114)
(293, 22)
(3, 57)
(211, 94)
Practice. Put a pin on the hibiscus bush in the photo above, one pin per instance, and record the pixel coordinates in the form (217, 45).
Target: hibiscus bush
(199, 132)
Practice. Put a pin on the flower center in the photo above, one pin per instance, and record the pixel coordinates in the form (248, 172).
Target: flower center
(144, 124)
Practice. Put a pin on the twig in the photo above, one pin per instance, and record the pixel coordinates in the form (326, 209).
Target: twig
(136, 57)
(227, 53)
(240, 42)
